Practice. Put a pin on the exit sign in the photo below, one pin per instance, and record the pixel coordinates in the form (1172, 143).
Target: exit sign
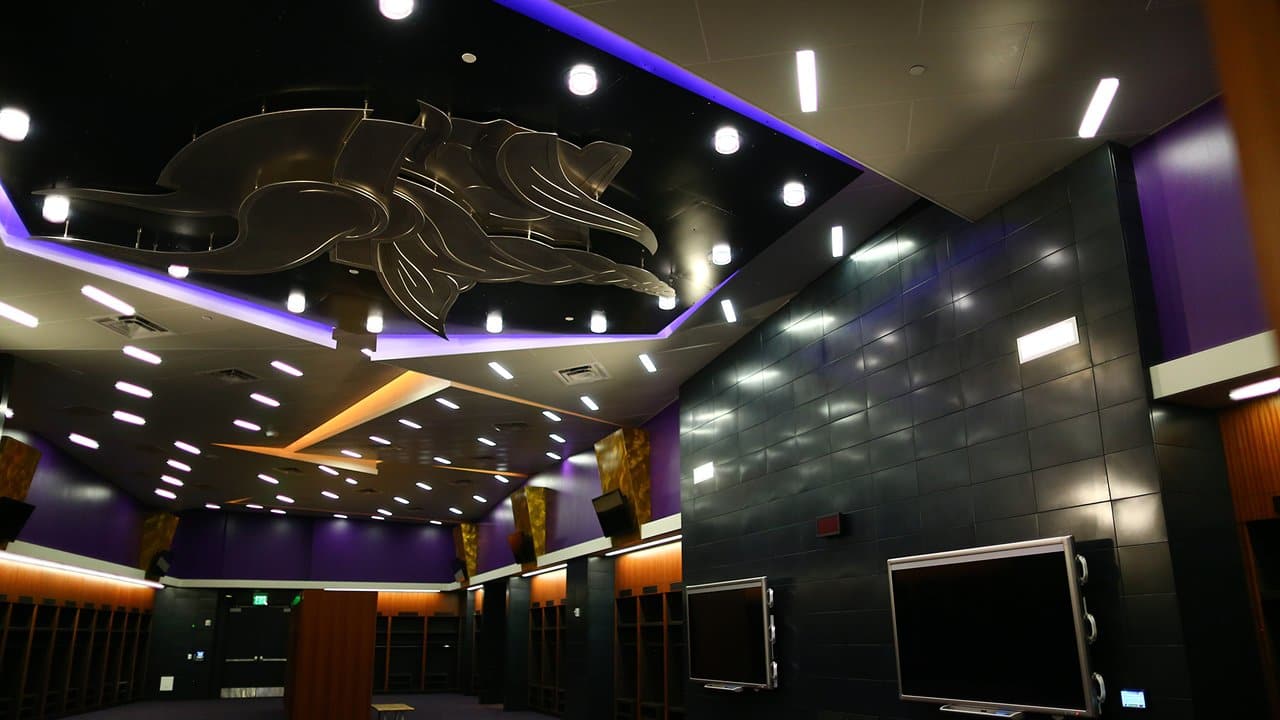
(259, 598)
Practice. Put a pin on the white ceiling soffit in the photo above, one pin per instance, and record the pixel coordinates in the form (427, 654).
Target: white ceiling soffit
(1204, 378)
(1005, 82)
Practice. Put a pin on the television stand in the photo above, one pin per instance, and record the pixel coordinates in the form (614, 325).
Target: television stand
(981, 711)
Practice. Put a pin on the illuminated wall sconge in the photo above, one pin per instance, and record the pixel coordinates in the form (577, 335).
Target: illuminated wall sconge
(1048, 340)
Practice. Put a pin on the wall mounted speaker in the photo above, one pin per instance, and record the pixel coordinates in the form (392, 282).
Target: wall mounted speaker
(459, 570)
(614, 513)
(13, 516)
(522, 547)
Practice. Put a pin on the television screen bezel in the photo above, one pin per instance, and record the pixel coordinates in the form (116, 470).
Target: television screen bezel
(771, 680)
(1064, 544)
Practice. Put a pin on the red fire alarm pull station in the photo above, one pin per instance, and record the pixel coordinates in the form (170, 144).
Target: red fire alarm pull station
(829, 525)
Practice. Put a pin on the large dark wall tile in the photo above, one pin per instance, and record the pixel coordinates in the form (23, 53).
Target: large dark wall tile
(894, 395)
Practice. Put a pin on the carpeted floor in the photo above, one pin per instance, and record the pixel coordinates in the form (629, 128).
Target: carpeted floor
(454, 707)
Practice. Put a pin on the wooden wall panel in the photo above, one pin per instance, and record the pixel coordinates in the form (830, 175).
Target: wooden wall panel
(1251, 440)
(548, 587)
(479, 594)
(427, 604)
(660, 566)
(18, 580)
(331, 656)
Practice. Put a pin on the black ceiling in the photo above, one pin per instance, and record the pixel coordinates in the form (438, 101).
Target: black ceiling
(115, 89)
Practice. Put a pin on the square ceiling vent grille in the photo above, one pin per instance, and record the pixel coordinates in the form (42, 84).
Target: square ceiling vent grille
(134, 327)
(583, 374)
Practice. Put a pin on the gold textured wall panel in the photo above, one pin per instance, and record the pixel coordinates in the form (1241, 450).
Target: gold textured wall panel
(623, 459)
(466, 545)
(529, 505)
(157, 534)
(18, 462)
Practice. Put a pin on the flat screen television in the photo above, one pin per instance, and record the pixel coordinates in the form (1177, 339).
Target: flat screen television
(731, 634)
(996, 628)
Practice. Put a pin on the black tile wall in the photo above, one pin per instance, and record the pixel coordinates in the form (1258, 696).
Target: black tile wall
(890, 390)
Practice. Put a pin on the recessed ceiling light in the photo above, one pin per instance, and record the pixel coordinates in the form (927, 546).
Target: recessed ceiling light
(916, 70)
(501, 478)
(400, 500)
(1258, 389)
(285, 499)
(105, 298)
(410, 424)
(727, 140)
(56, 208)
(1048, 340)
(268, 479)
(286, 368)
(171, 480)
(14, 124)
(807, 79)
(568, 318)
(493, 322)
(178, 465)
(351, 481)
(721, 254)
(277, 511)
(246, 425)
(186, 447)
(469, 58)
(395, 9)
(554, 456)
(730, 315)
(502, 372)
(599, 323)
(557, 438)
(351, 453)
(551, 416)
(647, 362)
(166, 493)
(373, 323)
(330, 495)
(212, 506)
(253, 506)
(376, 517)
(479, 499)
(138, 353)
(385, 512)
(128, 417)
(179, 271)
(424, 486)
(837, 241)
(1098, 106)
(18, 316)
(486, 441)
(435, 522)
(265, 400)
(340, 516)
(667, 302)
(447, 403)
(297, 302)
(704, 472)
(582, 80)
(136, 390)
(379, 440)
(793, 194)
(83, 441)
(586, 400)
(328, 470)
(442, 461)
(455, 511)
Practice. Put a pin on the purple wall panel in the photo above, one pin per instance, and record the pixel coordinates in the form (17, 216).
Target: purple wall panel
(571, 519)
(664, 461)
(266, 547)
(361, 550)
(79, 512)
(493, 532)
(197, 545)
(1197, 234)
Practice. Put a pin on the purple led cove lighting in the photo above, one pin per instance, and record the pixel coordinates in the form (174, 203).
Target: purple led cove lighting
(400, 347)
(14, 235)
(556, 16)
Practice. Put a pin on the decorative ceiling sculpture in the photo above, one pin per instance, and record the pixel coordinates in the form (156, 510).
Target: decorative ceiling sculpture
(433, 207)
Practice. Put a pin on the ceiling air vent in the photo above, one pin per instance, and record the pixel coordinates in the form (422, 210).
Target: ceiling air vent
(582, 374)
(287, 470)
(511, 427)
(134, 327)
(233, 376)
(367, 491)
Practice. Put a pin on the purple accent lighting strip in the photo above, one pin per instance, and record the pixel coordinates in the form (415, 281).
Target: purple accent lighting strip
(557, 16)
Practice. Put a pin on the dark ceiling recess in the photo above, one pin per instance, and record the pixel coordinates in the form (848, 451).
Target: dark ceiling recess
(132, 83)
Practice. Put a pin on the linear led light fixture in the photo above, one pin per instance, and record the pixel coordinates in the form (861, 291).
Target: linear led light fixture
(1098, 106)
(807, 78)
(286, 368)
(1048, 340)
(553, 568)
(837, 241)
(644, 546)
(138, 353)
(135, 390)
(268, 479)
(730, 315)
(591, 404)
(330, 495)
(502, 479)
(186, 447)
(486, 441)
(328, 470)
(647, 362)
(128, 417)
(1258, 389)
(265, 400)
(59, 567)
(105, 298)
(551, 416)
(178, 465)
(502, 372)
(18, 316)
(246, 425)
(380, 590)
(410, 424)
(448, 403)
(83, 441)
(704, 472)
